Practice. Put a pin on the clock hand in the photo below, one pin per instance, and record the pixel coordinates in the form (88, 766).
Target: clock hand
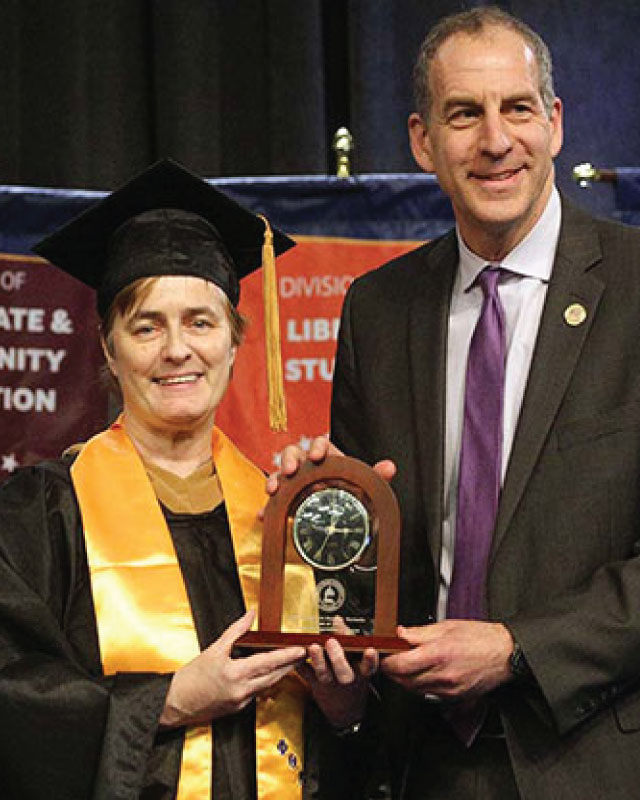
(347, 529)
(329, 533)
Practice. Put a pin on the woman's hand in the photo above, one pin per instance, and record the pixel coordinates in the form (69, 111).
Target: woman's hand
(214, 684)
(339, 687)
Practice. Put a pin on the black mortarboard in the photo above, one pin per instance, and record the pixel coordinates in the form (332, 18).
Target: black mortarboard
(165, 221)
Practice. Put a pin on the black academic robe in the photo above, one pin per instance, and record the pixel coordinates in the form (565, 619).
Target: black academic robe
(67, 731)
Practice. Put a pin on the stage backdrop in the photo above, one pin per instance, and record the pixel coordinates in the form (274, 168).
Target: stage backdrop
(50, 390)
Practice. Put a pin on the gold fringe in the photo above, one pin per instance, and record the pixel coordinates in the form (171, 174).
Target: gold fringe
(275, 379)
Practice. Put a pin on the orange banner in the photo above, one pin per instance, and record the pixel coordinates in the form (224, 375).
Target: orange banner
(312, 281)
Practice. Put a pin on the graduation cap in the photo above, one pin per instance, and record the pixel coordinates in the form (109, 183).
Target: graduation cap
(167, 221)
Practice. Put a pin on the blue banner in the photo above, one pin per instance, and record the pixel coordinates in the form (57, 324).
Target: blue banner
(409, 207)
(628, 194)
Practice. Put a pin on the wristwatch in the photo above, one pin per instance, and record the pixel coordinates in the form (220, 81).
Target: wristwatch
(518, 663)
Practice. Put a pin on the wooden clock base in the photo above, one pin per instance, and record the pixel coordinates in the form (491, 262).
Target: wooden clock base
(271, 640)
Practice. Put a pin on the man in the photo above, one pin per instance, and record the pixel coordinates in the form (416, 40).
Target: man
(546, 669)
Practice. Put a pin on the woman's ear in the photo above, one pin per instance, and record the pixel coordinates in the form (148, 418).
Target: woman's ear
(108, 357)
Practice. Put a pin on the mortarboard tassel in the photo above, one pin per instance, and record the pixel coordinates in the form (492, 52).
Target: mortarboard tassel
(275, 380)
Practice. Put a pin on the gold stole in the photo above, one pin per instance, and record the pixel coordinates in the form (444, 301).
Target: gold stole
(143, 614)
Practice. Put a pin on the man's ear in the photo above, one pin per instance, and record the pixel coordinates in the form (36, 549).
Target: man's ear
(420, 143)
(556, 127)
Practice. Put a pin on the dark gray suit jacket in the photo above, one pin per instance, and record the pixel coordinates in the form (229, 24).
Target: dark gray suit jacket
(564, 571)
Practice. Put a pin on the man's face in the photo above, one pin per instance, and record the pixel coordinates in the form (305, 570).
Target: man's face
(488, 138)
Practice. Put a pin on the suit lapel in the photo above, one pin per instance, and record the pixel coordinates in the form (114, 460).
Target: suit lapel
(428, 326)
(556, 353)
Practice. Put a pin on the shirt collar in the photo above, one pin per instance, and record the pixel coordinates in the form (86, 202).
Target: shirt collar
(531, 258)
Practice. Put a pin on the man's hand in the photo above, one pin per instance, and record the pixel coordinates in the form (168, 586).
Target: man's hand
(321, 447)
(214, 684)
(339, 688)
(453, 660)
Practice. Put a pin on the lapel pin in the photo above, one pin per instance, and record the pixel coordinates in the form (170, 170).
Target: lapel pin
(575, 314)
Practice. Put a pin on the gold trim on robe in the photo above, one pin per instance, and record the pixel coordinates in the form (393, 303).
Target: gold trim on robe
(143, 614)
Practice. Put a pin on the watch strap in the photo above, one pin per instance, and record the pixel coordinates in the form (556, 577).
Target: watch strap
(518, 663)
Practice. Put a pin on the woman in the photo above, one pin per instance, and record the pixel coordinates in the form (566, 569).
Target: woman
(126, 570)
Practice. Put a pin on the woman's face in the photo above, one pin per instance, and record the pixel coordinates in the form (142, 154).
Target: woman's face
(172, 354)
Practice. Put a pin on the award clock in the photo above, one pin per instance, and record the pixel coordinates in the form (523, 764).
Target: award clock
(331, 529)
(341, 520)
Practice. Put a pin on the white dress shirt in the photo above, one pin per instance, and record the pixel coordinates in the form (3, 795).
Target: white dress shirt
(522, 293)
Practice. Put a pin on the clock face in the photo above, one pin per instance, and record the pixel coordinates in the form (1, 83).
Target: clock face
(331, 528)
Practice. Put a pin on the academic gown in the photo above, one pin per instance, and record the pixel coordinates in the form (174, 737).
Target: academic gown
(67, 731)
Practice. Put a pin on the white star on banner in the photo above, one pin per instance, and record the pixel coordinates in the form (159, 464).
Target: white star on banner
(9, 462)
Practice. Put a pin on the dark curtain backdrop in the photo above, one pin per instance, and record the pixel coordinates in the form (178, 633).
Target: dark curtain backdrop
(93, 90)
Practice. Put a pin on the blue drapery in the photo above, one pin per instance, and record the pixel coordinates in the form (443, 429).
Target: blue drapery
(385, 206)
(402, 206)
(628, 195)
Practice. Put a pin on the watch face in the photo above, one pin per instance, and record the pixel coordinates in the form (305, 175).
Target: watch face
(331, 529)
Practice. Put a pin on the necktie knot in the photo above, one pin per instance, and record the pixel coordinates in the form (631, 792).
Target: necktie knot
(488, 280)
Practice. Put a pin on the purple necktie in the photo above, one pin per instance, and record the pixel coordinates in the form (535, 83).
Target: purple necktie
(479, 476)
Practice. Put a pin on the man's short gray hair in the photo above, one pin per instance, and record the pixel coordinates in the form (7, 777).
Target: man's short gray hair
(473, 23)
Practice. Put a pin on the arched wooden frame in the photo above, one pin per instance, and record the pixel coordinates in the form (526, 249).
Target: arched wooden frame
(381, 503)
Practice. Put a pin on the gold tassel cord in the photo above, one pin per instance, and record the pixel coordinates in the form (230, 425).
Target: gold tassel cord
(275, 378)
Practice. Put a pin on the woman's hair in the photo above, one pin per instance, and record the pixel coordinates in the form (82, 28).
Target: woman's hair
(129, 298)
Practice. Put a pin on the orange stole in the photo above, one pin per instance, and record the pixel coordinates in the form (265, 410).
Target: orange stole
(143, 614)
